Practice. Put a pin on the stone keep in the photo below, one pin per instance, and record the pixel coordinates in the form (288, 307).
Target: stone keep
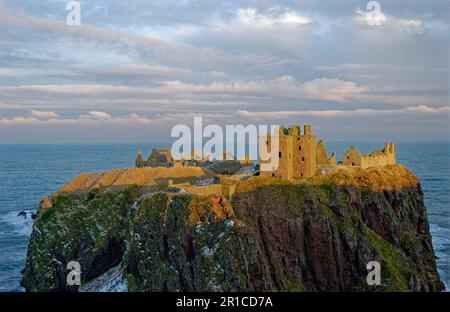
(297, 152)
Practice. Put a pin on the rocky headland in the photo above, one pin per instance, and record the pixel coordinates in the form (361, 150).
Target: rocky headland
(132, 230)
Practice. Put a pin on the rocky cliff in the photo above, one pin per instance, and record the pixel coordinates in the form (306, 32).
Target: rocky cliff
(313, 234)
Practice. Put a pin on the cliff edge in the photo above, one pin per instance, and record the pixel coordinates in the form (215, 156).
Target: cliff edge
(314, 234)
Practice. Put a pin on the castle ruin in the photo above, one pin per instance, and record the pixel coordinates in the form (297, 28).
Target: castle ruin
(376, 159)
(297, 153)
(162, 157)
(300, 156)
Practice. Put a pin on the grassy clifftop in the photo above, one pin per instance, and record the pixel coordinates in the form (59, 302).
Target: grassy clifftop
(390, 177)
(136, 176)
(377, 179)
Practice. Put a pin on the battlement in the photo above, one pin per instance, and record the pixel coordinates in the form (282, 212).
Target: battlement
(292, 131)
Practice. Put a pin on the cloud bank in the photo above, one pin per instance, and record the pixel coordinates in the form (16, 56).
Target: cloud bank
(148, 65)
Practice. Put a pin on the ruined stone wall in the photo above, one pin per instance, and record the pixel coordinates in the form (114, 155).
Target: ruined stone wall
(377, 158)
(305, 155)
(352, 157)
(380, 158)
(205, 190)
(332, 160)
(322, 156)
(390, 153)
(368, 161)
(283, 156)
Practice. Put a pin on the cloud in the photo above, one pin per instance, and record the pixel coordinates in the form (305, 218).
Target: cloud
(133, 44)
(285, 87)
(375, 67)
(93, 118)
(43, 114)
(176, 95)
(103, 118)
(7, 72)
(334, 90)
(97, 116)
(20, 121)
(150, 71)
(425, 110)
(252, 18)
(226, 60)
(321, 89)
(421, 25)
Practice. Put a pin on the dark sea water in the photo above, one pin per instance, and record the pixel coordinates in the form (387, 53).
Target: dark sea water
(29, 172)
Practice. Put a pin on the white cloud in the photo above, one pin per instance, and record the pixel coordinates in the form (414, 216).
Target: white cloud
(92, 118)
(43, 114)
(399, 26)
(178, 94)
(322, 89)
(428, 109)
(103, 118)
(363, 16)
(371, 67)
(252, 18)
(20, 121)
(334, 90)
(343, 113)
(97, 115)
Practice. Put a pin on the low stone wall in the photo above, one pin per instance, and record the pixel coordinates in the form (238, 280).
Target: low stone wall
(204, 190)
(375, 161)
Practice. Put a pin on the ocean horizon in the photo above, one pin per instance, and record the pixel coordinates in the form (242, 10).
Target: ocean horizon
(28, 172)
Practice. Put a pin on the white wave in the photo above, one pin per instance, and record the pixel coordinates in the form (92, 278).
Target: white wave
(441, 237)
(441, 245)
(110, 281)
(21, 225)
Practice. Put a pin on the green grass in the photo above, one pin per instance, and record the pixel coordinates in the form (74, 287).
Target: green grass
(395, 266)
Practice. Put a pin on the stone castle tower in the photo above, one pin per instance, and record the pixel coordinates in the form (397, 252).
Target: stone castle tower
(297, 152)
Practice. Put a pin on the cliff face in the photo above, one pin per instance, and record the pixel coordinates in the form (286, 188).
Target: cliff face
(320, 238)
(312, 235)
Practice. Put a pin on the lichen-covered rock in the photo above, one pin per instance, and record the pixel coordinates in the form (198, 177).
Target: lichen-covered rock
(90, 228)
(46, 203)
(309, 235)
(170, 253)
(320, 238)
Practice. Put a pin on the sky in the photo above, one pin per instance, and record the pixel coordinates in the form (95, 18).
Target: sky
(134, 69)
